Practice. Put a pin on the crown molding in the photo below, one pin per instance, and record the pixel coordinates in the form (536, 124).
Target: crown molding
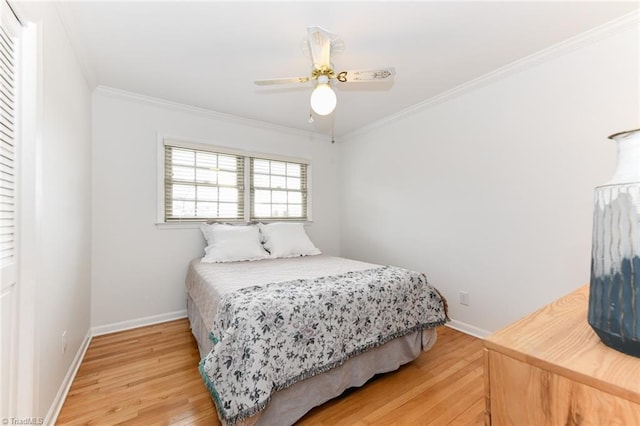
(203, 112)
(581, 40)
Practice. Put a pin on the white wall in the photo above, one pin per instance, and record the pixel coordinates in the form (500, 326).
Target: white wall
(490, 192)
(57, 257)
(138, 269)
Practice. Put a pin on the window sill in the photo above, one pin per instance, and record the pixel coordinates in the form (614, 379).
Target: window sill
(196, 225)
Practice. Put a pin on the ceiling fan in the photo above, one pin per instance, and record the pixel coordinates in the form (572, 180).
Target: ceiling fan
(322, 45)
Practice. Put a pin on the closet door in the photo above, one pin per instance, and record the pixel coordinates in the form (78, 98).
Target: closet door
(9, 151)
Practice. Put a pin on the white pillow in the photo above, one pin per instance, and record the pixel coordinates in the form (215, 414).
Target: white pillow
(287, 240)
(231, 243)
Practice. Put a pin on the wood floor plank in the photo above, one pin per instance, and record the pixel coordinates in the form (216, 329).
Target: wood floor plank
(149, 376)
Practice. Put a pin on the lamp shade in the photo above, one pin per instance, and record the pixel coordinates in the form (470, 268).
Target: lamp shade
(323, 98)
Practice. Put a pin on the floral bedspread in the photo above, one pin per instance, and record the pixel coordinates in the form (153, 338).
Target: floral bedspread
(269, 337)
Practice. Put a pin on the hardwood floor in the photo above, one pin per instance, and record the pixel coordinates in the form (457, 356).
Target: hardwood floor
(149, 376)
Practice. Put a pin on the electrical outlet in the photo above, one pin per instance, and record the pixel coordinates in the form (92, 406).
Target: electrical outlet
(464, 298)
(64, 341)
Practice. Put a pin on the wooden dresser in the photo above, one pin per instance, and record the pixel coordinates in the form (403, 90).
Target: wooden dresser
(550, 368)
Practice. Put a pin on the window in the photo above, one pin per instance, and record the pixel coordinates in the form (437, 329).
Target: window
(278, 189)
(203, 183)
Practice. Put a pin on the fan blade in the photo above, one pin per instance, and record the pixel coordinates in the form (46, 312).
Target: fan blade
(281, 81)
(320, 46)
(380, 74)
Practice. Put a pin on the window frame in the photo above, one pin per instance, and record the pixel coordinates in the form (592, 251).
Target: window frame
(303, 190)
(247, 155)
(202, 177)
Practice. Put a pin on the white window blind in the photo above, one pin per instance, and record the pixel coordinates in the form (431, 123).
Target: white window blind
(202, 185)
(278, 189)
(8, 137)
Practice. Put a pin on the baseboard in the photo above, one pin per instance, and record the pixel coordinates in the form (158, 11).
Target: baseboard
(61, 396)
(139, 322)
(468, 329)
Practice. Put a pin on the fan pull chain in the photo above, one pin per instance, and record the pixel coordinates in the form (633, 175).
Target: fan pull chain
(333, 121)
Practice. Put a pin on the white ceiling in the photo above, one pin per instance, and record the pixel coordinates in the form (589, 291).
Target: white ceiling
(208, 53)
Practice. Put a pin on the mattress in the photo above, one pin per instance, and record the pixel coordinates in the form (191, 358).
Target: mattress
(207, 283)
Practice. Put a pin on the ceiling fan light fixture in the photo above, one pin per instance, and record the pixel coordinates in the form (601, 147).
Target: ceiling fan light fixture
(322, 46)
(323, 98)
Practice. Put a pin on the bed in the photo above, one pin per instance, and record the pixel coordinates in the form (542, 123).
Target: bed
(278, 350)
